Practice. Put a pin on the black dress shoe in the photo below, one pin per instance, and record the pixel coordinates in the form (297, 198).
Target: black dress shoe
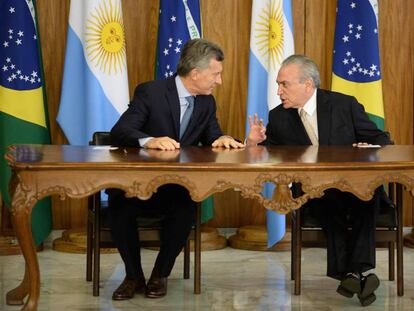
(129, 288)
(156, 287)
(350, 285)
(370, 283)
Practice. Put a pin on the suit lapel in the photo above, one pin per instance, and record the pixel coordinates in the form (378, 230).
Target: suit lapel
(298, 128)
(324, 117)
(174, 104)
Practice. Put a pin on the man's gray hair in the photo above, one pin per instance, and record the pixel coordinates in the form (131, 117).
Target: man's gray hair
(309, 70)
(197, 53)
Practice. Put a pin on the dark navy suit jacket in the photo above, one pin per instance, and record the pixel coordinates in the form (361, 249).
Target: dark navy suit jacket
(155, 111)
(341, 121)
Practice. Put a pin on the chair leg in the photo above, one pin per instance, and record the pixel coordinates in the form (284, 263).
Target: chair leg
(89, 248)
(298, 253)
(292, 246)
(400, 267)
(391, 261)
(96, 251)
(197, 251)
(187, 259)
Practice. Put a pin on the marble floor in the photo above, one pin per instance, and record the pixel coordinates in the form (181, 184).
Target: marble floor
(231, 280)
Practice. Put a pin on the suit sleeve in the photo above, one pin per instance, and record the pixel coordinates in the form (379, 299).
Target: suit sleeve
(127, 130)
(212, 130)
(271, 131)
(365, 129)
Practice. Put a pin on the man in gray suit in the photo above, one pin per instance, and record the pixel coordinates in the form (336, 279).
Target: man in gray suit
(309, 115)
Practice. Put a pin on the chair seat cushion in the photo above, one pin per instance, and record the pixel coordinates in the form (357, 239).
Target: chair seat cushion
(147, 221)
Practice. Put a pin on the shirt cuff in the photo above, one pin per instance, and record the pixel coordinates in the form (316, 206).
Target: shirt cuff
(143, 141)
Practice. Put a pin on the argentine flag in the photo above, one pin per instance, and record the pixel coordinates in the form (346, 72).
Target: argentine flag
(271, 41)
(95, 81)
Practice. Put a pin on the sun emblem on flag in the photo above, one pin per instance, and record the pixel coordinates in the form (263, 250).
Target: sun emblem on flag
(269, 33)
(105, 37)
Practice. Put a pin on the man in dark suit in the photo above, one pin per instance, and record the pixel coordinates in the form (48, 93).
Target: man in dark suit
(165, 115)
(309, 115)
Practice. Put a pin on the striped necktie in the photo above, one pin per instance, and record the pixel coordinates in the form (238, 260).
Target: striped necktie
(308, 128)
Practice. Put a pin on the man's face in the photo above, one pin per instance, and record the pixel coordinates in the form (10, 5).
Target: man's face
(205, 80)
(292, 92)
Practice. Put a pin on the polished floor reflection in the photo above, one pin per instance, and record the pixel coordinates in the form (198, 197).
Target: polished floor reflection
(231, 280)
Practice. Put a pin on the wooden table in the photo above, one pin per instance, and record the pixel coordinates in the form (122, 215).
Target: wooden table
(73, 171)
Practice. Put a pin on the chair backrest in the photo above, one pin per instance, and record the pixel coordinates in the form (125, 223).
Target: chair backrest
(100, 139)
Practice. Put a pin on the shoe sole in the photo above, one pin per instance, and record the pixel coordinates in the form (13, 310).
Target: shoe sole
(366, 301)
(154, 296)
(122, 298)
(370, 285)
(342, 291)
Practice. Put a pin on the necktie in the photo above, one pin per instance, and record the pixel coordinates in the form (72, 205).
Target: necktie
(308, 128)
(187, 115)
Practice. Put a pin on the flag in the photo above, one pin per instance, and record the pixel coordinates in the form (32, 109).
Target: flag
(23, 111)
(271, 41)
(95, 81)
(356, 62)
(179, 21)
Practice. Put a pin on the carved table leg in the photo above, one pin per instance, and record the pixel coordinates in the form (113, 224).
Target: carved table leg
(16, 296)
(31, 282)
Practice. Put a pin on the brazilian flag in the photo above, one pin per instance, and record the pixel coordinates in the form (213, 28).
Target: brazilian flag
(356, 62)
(23, 112)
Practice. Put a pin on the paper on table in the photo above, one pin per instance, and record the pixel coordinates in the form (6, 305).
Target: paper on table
(369, 146)
(105, 148)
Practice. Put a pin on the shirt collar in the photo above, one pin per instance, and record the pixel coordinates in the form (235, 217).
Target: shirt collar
(310, 105)
(182, 91)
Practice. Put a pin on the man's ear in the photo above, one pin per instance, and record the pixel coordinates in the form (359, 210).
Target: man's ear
(309, 84)
(193, 74)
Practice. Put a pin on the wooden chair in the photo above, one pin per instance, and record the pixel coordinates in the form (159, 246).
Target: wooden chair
(307, 232)
(99, 234)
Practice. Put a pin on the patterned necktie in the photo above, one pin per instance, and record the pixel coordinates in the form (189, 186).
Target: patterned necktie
(308, 128)
(187, 115)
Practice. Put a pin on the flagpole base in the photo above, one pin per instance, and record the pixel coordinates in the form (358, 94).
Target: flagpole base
(8, 243)
(210, 240)
(254, 238)
(9, 246)
(409, 239)
(74, 241)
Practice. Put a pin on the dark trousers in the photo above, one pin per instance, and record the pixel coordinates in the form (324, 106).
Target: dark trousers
(173, 203)
(348, 251)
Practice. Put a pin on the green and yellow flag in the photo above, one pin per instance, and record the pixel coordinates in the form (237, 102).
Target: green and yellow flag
(356, 62)
(23, 113)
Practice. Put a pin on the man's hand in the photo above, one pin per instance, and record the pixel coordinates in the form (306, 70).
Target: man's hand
(162, 143)
(257, 132)
(227, 142)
